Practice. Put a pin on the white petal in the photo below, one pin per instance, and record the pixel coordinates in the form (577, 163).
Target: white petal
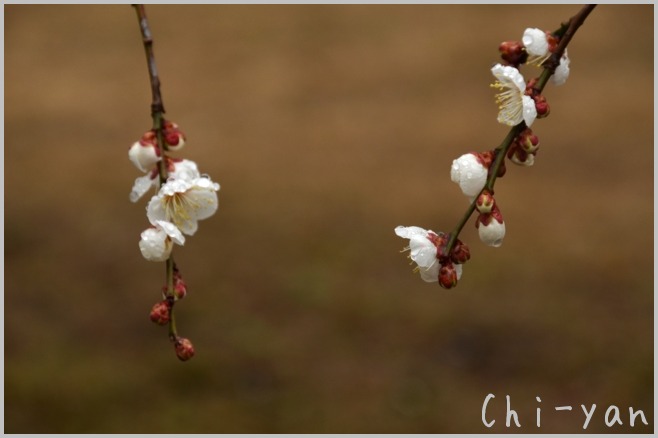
(509, 76)
(535, 42)
(203, 198)
(493, 233)
(458, 269)
(529, 110)
(562, 71)
(141, 186)
(143, 157)
(186, 169)
(469, 173)
(430, 274)
(173, 186)
(155, 210)
(154, 245)
(172, 231)
(423, 251)
(187, 226)
(407, 232)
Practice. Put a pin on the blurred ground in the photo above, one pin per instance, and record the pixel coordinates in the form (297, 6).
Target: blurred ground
(327, 126)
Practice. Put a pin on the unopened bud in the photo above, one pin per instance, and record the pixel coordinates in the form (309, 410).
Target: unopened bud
(522, 158)
(161, 313)
(448, 276)
(144, 155)
(470, 173)
(440, 240)
(485, 202)
(184, 349)
(543, 109)
(460, 253)
(180, 290)
(513, 53)
(528, 141)
(491, 227)
(173, 136)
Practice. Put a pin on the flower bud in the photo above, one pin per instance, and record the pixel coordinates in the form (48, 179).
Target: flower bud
(449, 274)
(157, 242)
(184, 349)
(460, 253)
(155, 245)
(144, 155)
(173, 136)
(161, 313)
(491, 227)
(543, 109)
(513, 53)
(528, 141)
(180, 290)
(485, 202)
(470, 173)
(522, 158)
(535, 42)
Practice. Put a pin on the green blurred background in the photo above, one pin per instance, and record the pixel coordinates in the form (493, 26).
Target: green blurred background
(327, 126)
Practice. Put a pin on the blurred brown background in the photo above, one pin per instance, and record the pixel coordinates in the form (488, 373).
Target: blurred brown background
(327, 126)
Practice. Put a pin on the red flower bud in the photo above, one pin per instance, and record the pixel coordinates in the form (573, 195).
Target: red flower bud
(149, 137)
(528, 141)
(543, 109)
(180, 289)
(161, 313)
(173, 136)
(460, 253)
(184, 349)
(485, 202)
(513, 52)
(448, 276)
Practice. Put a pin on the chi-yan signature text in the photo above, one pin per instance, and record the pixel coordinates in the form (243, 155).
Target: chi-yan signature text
(613, 415)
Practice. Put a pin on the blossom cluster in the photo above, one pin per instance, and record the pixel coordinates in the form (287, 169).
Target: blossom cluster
(439, 256)
(183, 197)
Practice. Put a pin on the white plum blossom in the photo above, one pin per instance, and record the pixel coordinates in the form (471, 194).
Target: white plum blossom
(515, 107)
(423, 252)
(183, 169)
(469, 173)
(562, 71)
(156, 243)
(493, 233)
(143, 156)
(536, 44)
(184, 202)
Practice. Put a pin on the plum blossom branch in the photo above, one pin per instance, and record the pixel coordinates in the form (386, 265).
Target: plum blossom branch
(568, 30)
(183, 196)
(157, 114)
(520, 103)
